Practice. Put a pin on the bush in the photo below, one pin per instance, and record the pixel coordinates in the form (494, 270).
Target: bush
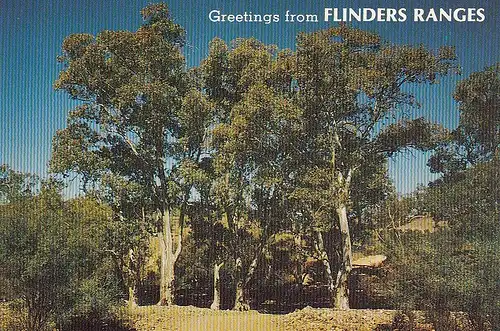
(455, 269)
(405, 321)
(51, 258)
(440, 273)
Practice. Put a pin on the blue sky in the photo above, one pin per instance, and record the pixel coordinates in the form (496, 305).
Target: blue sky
(31, 34)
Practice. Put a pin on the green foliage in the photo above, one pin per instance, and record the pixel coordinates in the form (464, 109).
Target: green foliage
(477, 137)
(138, 135)
(15, 185)
(300, 134)
(439, 273)
(479, 100)
(255, 129)
(94, 304)
(348, 84)
(469, 205)
(418, 133)
(138, 115)
(349, 87)
(257, 141)
(49, 249)
(455, 269)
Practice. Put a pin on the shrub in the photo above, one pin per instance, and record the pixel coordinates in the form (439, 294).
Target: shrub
(50, 253)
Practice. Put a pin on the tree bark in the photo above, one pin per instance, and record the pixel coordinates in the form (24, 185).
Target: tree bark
(342, 282)
(132, 299)
(341, 190)
(133, 279)
(241, 300)
(216, 302)
(168, 259)
(323, 255)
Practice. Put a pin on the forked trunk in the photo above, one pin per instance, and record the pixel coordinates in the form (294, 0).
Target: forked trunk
(342, 282)
(216, 302)
(241, 300)
(323, 255)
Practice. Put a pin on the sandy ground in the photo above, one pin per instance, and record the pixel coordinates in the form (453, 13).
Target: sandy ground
(188, 318)
(194, 319)
(307, 319)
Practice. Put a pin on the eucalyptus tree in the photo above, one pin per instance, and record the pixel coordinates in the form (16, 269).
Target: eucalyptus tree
(140, 120)
(477, 136)
(256, 126)
(350, 87)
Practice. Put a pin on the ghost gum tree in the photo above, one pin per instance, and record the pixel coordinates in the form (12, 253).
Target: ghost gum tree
(292, 132)
(350, 88)
(342, 95)
(255, 127)
(253, 185)
(140, 120)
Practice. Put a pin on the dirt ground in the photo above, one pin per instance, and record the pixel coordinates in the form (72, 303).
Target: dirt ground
(189, 318)
(307, 319)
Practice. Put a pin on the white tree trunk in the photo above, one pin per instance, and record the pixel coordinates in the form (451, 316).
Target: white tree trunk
(132, 299)
(323, 255)
(168, 259)
(133, 279)
(241, 300)
(342, 282)
(216, 302)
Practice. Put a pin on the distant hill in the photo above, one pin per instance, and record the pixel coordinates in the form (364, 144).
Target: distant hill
(423, 223)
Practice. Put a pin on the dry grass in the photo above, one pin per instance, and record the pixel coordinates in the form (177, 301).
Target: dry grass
(7, 317)
(373, 261)
(423, 224)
